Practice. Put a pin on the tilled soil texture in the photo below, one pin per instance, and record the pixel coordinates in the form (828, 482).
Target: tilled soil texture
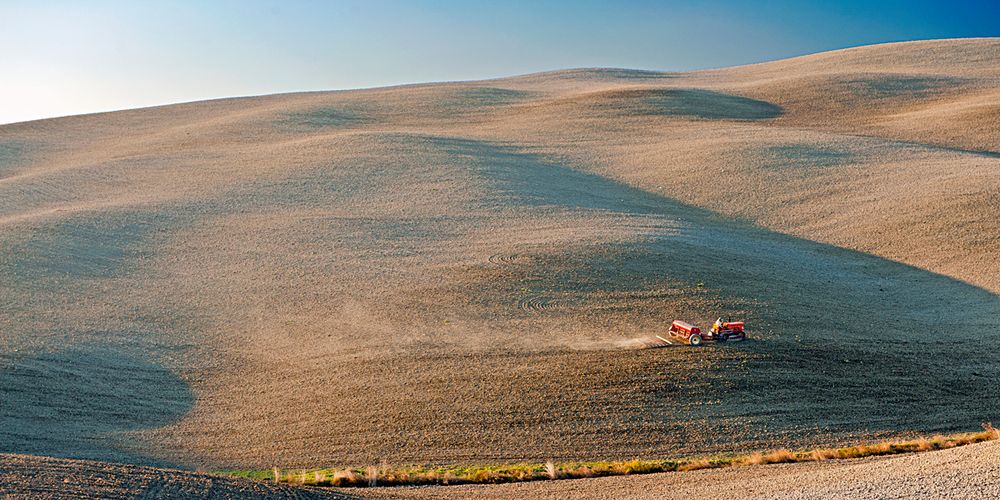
(33, 477)
(469, 272)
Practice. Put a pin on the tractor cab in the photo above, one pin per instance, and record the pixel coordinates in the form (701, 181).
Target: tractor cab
(723, 330)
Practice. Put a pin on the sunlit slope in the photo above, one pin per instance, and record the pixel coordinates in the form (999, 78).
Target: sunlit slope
(470, 271)
(869, 148)
(910, 91)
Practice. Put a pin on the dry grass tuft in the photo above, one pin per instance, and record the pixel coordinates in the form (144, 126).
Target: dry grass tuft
(988, 428)
(550, 470)
(702, 463)
(820, 455)
(773, 457)
(582, 471)
(345, 478)
(320, 478)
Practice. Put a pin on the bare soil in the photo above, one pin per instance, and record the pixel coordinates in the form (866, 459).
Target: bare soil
(464, 272)
(33, 477)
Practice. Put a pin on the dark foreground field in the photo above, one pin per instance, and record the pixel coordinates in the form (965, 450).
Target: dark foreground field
(468, 272)
(24, 476)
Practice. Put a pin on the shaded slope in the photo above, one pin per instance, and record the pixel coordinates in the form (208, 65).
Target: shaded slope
(77, 402)
(894, 90)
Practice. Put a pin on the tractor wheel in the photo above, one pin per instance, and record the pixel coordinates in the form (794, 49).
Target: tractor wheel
(695, 339)
(721, 338)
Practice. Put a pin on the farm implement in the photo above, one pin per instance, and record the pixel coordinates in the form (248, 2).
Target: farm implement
(721, 331)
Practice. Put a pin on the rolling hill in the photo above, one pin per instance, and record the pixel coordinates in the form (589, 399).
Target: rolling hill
(473, 271)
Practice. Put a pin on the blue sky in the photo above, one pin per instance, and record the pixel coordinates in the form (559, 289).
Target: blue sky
(69, 57)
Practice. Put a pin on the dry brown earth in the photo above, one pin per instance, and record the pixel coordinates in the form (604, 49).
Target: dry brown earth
(33, 477)
(464, 271)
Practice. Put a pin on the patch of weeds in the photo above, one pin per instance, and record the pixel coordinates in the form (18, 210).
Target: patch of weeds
(385, 475)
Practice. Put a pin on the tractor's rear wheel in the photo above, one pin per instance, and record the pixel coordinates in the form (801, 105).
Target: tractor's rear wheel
(695, 339)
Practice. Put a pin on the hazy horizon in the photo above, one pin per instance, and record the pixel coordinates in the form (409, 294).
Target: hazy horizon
(64, 59)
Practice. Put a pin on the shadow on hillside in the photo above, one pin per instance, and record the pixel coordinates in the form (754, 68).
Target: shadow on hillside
(845, 340)
(417, 103)
(884, 86)
(10, 153)
(679, 241)
(326, 116)
(83, 247)
(681, 102)
(465, 98)
(610, 74)
(708, 104)
(74, 403)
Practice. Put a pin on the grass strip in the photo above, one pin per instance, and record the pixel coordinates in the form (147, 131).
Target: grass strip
(385, 475)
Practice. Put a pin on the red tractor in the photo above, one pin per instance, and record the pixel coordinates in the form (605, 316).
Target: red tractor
(721, 331)
(724, 330)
